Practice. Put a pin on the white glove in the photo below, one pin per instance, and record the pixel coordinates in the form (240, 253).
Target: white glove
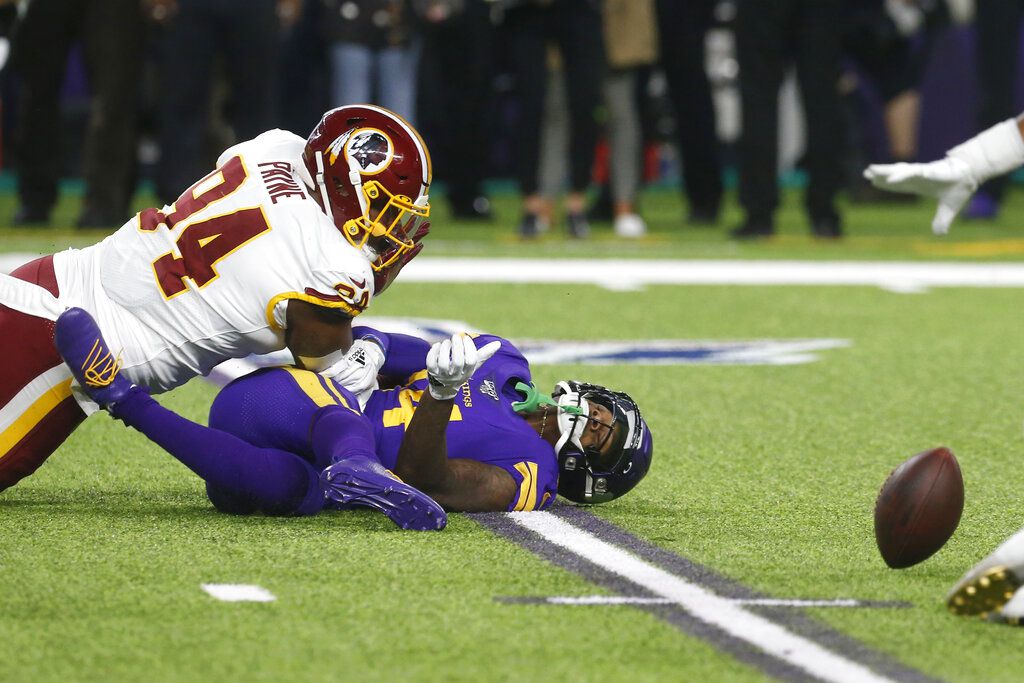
(953, 180)
(357, 370)
(949, 180)
(450, 363)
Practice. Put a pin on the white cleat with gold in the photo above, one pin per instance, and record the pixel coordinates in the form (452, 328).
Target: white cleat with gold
(992, 583)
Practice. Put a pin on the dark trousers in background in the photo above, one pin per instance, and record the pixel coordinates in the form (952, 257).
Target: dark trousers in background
(771, 34)
(997, 28)
(458, 65)
(575, 27)
(682, 28)
(245, 36)
(111, 33)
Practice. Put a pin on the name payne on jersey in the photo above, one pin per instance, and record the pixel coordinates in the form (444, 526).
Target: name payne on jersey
(279, 181)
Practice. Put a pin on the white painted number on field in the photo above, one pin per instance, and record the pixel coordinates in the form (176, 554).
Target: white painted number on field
(238, 592)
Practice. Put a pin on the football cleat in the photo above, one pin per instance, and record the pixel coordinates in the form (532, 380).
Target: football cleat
(81, 345)
(361, 482)
(990, 584)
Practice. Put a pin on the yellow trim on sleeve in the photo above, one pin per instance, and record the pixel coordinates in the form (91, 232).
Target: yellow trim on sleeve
(27, 421)
(527, 488)
(310, 384)
(416, 376)
(343, 305)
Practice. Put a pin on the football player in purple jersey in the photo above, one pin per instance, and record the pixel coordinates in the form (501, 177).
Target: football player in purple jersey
(463, 430)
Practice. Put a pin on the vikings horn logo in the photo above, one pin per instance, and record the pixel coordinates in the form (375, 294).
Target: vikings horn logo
(370, 149)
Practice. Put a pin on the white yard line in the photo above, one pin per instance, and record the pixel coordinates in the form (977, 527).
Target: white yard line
(901, 276)
(238, 592)
(756, 602)
(720, 612)
(626, 274)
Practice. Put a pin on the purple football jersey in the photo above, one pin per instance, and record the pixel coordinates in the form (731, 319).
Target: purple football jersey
(483, 426)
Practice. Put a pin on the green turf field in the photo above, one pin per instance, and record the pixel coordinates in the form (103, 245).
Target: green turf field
(767, 474)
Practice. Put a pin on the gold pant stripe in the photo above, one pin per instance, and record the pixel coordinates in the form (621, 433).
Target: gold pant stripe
(39, 409)
(528, 487)
(310, 384)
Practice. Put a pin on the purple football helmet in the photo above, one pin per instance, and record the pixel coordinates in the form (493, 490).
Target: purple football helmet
(584, 474)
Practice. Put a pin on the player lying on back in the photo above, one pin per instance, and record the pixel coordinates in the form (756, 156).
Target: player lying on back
(953, 180)
(467, 430)
(283, 244)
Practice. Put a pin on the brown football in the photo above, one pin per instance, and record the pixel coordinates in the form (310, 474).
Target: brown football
(919, 507)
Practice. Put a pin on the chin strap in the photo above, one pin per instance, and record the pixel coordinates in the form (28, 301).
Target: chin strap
(572, 419)
(319, 180)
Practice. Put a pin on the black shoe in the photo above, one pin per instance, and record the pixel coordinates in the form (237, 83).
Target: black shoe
(529, 226)
(826, 228)
(577, 225)
(475, 209)
(702, 216)
(29, 216)
(751, 230)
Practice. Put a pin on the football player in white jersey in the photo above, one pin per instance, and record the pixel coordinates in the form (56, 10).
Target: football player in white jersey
(281, 245)
(953, 179)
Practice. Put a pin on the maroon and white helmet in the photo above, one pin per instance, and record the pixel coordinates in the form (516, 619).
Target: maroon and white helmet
(372, 171)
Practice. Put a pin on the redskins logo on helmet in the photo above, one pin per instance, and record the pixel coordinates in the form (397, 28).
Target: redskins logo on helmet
(371, 150)
(372, 173)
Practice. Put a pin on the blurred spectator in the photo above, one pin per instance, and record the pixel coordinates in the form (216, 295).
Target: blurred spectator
(769, 34)
(245, 35)
(374, 54)
(682, 27)
(575, 27)
(304, 92)
(111, 35)
(888, 41)
(997, 27)
(630, 40)
(457, 71)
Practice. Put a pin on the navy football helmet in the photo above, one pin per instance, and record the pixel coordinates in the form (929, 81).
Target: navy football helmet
(602, 472)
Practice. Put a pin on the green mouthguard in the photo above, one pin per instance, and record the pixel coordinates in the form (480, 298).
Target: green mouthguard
(535, 399)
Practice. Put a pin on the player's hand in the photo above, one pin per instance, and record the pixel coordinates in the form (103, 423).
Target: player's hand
(450, 363)
(357, 370)
(949, 180)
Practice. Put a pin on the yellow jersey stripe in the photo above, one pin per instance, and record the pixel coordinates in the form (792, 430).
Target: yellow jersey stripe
(310, 384)
(39, 409)
(528, 487)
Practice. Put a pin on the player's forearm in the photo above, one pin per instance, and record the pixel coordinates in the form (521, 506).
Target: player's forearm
(316, 334)
(423, 456)
(993, 152)
(404, 354)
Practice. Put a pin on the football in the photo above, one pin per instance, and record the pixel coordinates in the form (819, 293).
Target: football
(919, 508)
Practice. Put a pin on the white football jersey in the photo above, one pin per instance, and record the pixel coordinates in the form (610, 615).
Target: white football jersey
(209, 277)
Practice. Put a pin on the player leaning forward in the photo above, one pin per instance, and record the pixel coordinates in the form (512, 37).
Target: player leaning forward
(281, 245)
